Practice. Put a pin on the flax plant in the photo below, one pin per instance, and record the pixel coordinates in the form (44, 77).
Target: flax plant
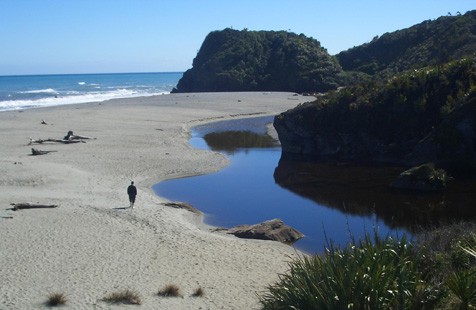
(463, 283)
(374, 273)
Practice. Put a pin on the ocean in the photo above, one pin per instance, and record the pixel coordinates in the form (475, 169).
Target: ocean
(35, 91)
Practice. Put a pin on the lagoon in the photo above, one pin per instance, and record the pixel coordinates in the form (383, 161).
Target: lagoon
(327, 201)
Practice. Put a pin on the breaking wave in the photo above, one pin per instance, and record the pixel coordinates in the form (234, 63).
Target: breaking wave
(73, 99)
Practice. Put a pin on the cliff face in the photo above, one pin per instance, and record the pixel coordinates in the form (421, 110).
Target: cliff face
(312, 131)
(429, 115)
(232, 60)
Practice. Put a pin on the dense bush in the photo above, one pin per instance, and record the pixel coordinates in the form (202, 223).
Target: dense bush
(387, 120)
(233, 60)
(429, 43)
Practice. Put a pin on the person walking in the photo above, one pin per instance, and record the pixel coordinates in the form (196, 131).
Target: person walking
(132, 192)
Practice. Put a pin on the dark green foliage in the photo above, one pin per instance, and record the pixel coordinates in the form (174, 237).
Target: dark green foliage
(463, 285)
(447, 265)
(373, 274)
(428, 43)
(435, 271)
(232, 60)
(389, 118)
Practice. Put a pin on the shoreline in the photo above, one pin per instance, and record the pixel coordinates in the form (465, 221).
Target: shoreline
(90, 246)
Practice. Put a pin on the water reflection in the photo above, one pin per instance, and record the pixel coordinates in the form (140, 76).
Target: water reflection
(245, 192)
(323, 200)
(231, 141)
(364, 190)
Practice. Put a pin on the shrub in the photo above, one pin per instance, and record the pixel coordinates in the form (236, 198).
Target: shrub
(124, 297)
(375, 274)
(198, 292)
(170, 290)
(463, 285)
(442, 250)
(56, 299)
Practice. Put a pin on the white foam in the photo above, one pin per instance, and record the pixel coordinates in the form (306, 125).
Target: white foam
(73, 99)
(81, 83)
(40, 91)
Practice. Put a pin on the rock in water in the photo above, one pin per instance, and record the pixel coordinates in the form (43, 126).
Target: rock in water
(269, 230)
(422, 178)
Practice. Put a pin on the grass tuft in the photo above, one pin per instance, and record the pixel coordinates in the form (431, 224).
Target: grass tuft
(198, 292)
(170, 290)
(56, 299)
(124, 297)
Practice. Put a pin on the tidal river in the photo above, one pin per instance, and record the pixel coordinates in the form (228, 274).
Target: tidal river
(326, 201)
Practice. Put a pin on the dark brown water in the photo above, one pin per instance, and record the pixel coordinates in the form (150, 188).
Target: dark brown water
(324, 200)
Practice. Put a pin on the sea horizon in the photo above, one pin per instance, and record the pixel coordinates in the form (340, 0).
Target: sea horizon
(97, 73)
(18, 92)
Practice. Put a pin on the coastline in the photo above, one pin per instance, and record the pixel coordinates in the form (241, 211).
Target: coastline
(90, 246)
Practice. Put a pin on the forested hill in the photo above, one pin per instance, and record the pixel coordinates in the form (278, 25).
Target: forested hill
(428, 43)
(232, 60)
(426, 115)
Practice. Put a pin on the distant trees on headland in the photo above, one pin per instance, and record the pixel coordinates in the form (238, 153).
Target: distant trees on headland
(233, 60)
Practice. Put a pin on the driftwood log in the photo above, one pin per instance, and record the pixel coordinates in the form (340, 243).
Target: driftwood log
(41, 141)
(35, 152)
(29, 205)
(182, 205)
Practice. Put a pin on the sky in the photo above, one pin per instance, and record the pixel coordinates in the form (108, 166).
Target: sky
(113, 36)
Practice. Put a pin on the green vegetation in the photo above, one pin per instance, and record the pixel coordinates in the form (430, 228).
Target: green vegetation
(423, 178)
(387, 273)
(426, 44)
(404, 108)
(432, 108)
(232, 60)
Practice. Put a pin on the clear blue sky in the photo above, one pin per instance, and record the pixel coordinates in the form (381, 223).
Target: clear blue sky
(92, 36)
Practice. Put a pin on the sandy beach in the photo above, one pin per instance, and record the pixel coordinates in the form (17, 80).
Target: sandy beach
(92, 245)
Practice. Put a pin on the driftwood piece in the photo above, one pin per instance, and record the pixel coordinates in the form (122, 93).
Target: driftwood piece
(71, 136)
(35, 152)
(182, 205)
(78, 137)
(41, 141)
(29, 205)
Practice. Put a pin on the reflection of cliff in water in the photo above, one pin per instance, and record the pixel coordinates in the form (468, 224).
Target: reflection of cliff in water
(230, 141)
(364, 190)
